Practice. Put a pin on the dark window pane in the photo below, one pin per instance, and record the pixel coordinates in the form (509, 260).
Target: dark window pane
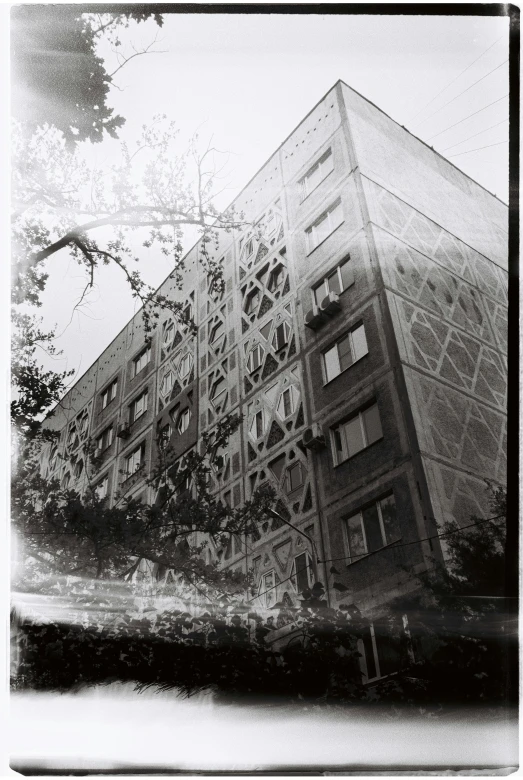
(347, 274)
(372, 424)
(277, 466)
(302, 565)
(355, 534)
(345, 352)
(295, 477)
(334, 282)
(388, 515)
(353, 436)
(389, 648)
(371, 523)
(369, 654)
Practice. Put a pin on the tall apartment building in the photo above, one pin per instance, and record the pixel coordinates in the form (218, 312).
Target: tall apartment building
(361, 334)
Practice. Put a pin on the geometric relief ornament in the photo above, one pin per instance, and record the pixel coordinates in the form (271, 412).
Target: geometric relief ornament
(461, 429)
(434, 241)
(458, 358)
(445, 294)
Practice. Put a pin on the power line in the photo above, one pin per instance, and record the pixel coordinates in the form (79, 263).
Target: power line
(474, 136)
(455, 79)
(462, 93)
(388, 547)
(467, 117)
(478, 149)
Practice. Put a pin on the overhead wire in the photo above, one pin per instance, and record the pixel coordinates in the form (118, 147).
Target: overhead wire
(474, 136)
(479, 148)
(467, 117)
(387, 547)
(455, 79)
(462, 93)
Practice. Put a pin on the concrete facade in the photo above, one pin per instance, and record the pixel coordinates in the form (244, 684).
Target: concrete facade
(424, 250)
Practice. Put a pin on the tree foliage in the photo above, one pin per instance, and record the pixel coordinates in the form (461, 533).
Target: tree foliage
(58, 78)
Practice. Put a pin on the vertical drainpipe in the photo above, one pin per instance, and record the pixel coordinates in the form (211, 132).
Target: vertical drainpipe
(398, 374)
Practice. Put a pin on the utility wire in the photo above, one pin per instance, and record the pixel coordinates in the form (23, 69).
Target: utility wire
(455, 79)
(462, 93)
(387, 547)
(466, 117)
(474, 136)
(478, 149)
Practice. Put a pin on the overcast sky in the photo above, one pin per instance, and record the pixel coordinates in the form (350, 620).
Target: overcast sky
(248, 80)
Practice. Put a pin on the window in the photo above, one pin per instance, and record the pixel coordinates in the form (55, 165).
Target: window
(294, 477)
(337, 281)
(276, 278)
(218, 391)
(287, 403)
(109, 394)
(281, 336)
(216, 332)
(359, 432)
(164, 435)
(382, 652)
(185, 365)
(249, 248)
(72, 436)
(135, 460)
(317, 173)
(267, 589)
(346, 351)
(102, 488)
(66, 479)
(371, 528)
(276, 466)
(105, 439)
(324, 226)
(78, 469)
(168, 333)
(167, 383)
(139, 406)
(302, 575)
(255, 358)
(184, 420)
(252, 302)
(141, 361)
(257, 428)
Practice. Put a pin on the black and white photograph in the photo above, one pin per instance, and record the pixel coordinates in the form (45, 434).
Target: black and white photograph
(262, 492)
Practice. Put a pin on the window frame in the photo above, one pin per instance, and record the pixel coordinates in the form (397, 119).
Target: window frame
(313, 240)
(324, 283)
(254, 295)
(318, 165)
(334, 345)
(213, 396)
(168, 390)
(102, 482)
(286, 331)
(341, 427)
(139, 449)
(266, 592)
(99, 439)
(133, 416)
(351, 559)
(187, 357)
(309, 571)
(258, 349)
(288, 486)
(184, 414)
(108, 394)
(292, 396)
(137, 361)
(168, 333)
